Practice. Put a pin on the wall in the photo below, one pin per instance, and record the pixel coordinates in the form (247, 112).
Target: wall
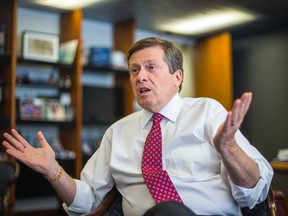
(261, 66)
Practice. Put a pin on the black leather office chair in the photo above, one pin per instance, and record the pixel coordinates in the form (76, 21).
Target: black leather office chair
(112, 206)
(9, 171)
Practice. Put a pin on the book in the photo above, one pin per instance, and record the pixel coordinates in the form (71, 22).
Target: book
(2, 39)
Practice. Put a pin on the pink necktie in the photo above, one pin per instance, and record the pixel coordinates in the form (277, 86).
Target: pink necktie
(157, 179)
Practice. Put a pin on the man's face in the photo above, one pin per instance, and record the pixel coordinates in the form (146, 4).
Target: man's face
(153, 86)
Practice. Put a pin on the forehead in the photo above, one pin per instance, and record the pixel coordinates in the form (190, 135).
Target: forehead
(147, 54)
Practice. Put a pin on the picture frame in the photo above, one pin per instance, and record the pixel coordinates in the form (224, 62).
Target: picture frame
(40, 46)
(43, 109)
(68, 51)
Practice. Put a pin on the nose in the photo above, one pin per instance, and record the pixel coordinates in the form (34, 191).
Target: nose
(142, 75)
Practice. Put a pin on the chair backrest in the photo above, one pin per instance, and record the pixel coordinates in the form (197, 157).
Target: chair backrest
(9, 171)
(271, 204)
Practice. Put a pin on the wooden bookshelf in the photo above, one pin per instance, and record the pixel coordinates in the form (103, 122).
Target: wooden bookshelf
(70, 28)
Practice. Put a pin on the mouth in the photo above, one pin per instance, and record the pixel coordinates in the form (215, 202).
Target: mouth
(144, 90)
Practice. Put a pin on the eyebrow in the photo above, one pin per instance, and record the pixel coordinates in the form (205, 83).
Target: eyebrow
(146, 62)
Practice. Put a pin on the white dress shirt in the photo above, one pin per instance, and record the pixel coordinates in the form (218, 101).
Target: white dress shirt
(189, 156)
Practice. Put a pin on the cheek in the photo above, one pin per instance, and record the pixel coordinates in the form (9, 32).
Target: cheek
(133, 81)
(168, 82)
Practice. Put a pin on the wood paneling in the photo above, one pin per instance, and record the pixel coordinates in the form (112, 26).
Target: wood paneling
(8, 17)
(123, 40)
(213, 69)
(71, 28)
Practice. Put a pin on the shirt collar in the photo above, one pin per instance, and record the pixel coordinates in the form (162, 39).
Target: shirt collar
(170, 111)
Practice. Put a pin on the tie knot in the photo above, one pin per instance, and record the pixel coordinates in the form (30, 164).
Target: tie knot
(157, 117)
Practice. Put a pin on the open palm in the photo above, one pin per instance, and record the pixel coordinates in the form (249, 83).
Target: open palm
(39, 159)
(226, 132)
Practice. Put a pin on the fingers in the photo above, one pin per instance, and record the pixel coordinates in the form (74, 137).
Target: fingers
(42, 140)
(240, 108)
(15, 142)
(20, 138)
(235, 113)
(247, 101)
(231, 123)
(11, 150)
(226, 132)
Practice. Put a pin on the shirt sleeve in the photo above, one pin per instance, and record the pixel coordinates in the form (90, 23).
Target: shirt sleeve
(80, 205)
(245, 197)
(95, 181)
(249, 197)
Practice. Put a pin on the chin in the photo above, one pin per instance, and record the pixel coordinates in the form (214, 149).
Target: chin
(145, 105)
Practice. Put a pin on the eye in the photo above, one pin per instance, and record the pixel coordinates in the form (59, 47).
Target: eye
(151, 67)
(134, 70)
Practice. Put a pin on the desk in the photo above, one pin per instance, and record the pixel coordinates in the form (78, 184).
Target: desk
(280, 166)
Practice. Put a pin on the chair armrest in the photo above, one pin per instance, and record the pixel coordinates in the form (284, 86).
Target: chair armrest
(108, 202)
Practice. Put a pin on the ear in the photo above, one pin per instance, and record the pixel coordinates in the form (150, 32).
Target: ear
(178, 77)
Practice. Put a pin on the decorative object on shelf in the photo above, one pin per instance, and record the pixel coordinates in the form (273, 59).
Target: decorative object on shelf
(65, 98)
(53, 78)
(35, 77)
(100, 56)
(40, 46)
(60, 152)
(68, 51)
(65, 82)
(22, 76)
(55, 111)
(118, 60)
(83, 54)
(68, 82)
(2, 39)
(282, 155)
(44, 109)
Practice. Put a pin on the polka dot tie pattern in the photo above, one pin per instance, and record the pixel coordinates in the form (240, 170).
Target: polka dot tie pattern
(157, 179)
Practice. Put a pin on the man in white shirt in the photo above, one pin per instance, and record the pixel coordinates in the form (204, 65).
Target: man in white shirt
(213, 167)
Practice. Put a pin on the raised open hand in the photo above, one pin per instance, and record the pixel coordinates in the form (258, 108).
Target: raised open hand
(41, 160)
(226, 132)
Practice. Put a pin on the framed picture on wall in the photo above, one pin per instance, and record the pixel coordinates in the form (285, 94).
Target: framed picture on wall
(40, 46)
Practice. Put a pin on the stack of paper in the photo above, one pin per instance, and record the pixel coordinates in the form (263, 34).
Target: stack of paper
(282, 155)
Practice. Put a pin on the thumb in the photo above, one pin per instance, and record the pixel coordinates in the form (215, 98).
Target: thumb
(42, 140)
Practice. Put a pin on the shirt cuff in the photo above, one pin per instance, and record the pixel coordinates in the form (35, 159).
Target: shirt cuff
(80, 205)
(249, 197)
